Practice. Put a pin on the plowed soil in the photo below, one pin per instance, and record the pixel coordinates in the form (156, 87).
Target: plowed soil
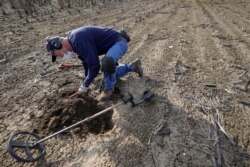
(196, 60)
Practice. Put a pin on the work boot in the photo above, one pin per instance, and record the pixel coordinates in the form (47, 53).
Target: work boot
(106, 94)
(138, 69)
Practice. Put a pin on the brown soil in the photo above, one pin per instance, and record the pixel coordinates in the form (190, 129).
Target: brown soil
(196, 60)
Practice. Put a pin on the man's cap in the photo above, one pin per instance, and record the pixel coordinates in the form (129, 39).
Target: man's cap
(53, 43)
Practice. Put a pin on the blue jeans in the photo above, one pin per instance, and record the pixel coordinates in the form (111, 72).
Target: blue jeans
(116, 52)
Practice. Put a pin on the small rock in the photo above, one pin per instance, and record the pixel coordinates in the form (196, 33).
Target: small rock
(8, 33)
(38, 113)
(2, 61)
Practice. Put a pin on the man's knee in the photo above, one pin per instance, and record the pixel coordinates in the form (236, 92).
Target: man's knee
(108, 65)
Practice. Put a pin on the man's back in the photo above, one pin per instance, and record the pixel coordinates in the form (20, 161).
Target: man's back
(102, 37)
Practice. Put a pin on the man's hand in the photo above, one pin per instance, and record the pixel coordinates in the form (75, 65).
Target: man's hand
(82, 90)
(63, 66)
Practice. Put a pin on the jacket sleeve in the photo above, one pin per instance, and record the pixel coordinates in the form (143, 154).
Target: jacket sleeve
(85, 68)
(92, 61)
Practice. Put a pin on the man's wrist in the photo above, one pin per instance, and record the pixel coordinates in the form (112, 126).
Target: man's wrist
(84, 84)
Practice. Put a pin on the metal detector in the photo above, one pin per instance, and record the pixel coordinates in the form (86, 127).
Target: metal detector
(28, 147)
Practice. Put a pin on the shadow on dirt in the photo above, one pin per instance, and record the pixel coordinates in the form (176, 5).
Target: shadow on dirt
(164, 134)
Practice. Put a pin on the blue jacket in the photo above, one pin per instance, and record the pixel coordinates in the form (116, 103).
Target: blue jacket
(89, 42)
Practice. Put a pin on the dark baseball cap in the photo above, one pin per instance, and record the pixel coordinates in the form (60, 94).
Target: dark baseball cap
(53, 42)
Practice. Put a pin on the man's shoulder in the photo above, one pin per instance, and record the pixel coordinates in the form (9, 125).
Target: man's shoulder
(81, 31)
(79, 35)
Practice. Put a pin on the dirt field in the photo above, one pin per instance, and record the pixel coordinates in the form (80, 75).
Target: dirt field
(196, 60)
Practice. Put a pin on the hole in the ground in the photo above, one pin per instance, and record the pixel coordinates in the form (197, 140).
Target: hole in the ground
(68, 112)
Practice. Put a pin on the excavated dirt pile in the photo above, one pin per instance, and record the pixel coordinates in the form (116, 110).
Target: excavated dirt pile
(196, 60)
(66, 113)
